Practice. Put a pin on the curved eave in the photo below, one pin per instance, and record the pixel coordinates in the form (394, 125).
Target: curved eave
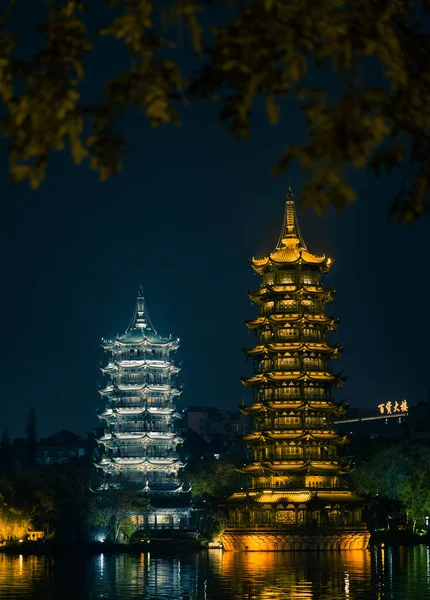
(111, 390)
(292, 255)
(276, 348)
(252, 409)
(316, 467)
(292, 405)
(172, 490)
(144, 341)
(116, 439)
(275, 497)
(302, 497)
(118, 413)
(292, 435)
(137, 464)
(142, 368)
(250, 469)
(109, 369)
(290, 376)
(309, 466)
(324, 406)
(281, 318)
(288, 291)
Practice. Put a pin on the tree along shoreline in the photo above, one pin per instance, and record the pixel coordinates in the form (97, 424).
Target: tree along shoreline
(53, 548)
(64, 505)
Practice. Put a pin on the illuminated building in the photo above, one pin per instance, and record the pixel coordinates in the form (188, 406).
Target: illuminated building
(139, 441)
(295, 479)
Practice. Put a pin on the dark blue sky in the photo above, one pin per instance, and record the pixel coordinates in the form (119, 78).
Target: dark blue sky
(183, 217)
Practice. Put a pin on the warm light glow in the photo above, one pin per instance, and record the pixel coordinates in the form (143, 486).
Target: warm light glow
(293, 442)
(389, 408)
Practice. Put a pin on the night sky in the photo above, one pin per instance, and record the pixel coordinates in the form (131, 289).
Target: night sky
(189, 209)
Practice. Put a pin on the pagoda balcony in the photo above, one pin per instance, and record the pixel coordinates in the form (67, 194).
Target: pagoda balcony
(123, 451)
(114, 437)
(142, 431)
(293, 486)
(136, 410)
(168, 486)
(282, 368)
(160, 410)
(139, 407)
(156, 413)
(293, 397)
(145, 460)
(147, 388)
(128, 460)
(163, 461)
(318, 337)
(127, 362)
(146, 368)
(306, 456)
(126, 435)
(140, 438)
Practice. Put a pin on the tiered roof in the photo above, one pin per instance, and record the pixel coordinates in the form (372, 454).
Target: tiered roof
(141, 331)
(139, 438)
(291, 248)
(293, 408)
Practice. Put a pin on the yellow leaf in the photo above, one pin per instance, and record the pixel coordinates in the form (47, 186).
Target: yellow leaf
(79, 152)
(20, 172)
(272, 110)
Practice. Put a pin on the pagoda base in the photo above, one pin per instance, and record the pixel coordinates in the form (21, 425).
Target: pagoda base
(255, 540)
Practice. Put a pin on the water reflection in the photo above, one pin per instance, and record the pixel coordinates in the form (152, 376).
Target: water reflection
(306, 576)
(378, 575)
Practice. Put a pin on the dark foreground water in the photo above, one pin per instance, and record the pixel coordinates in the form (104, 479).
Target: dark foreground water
(400, 574)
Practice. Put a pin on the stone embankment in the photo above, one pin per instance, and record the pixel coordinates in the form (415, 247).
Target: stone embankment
(255, 541)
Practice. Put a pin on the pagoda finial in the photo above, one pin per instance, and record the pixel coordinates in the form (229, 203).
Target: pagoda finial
(290, 231)
(140, 319)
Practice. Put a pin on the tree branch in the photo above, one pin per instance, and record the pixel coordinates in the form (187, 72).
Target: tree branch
(7, 12)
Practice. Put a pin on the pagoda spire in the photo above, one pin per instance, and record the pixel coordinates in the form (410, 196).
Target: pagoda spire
(140, 319)
(290, 231)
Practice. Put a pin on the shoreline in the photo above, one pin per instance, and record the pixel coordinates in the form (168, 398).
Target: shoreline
(378, 539)
(95, 548)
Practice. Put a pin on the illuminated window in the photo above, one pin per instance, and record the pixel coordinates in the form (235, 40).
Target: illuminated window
(283, 421)
(313, 363)
(286, 277)
(287, 392)
(268, 307)
(309, 278)
(288, 362)
(287, 332)
(311, 333)
(265, 394)
(308, 305)
(287, 305)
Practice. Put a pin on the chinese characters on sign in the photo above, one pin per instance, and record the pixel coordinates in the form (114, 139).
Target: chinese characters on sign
(389, 408)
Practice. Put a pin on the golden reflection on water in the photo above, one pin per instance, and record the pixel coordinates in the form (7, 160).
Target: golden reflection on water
(300, 575)
(382, 574)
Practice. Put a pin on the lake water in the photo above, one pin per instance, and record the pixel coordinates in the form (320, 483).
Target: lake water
(400, 574)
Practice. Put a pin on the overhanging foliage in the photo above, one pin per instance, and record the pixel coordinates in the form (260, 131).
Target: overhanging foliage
(267, 49)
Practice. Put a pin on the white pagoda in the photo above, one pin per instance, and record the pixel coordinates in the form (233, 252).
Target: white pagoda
(139, 442)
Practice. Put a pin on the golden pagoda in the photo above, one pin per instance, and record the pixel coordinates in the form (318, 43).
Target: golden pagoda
(294, 497)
